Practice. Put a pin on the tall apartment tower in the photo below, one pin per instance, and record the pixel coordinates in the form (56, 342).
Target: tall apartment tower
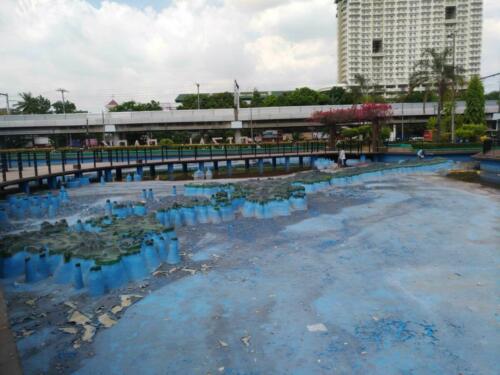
(383, 39)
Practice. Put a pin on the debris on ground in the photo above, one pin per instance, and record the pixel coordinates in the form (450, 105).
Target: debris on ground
(318, 327)
(70, 330)
(223, 343)
(106, 321)
(246, 340)
(78, 318)
(88, 333)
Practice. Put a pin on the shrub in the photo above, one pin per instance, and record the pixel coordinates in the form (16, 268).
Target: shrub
(166, 142)
(471, 132)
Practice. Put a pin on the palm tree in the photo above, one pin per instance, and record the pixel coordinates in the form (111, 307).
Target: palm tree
(27, 104)
(30, 104)
(434, 71)
(362, 88)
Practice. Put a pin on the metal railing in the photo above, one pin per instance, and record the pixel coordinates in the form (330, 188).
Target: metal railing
(64, 161)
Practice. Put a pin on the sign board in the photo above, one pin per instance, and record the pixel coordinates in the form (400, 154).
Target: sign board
(109, 129)
(496, 116)
(236, 125)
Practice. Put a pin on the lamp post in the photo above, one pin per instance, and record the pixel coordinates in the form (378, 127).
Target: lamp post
(62, 91)
(7, 101)
(453, 136)
(198, 93)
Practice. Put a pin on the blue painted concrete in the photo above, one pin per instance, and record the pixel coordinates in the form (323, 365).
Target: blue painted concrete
(398, 289)
(395, 157)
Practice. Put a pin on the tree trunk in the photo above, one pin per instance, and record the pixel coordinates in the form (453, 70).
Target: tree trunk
(438, 121)
(333, 136)
(441, 91)
(375, 135)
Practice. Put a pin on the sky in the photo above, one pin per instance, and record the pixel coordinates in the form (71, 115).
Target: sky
(155, 49)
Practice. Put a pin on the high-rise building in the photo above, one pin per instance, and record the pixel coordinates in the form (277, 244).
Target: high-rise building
(383, 39)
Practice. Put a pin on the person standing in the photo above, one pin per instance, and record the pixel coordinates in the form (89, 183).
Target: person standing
(342, 158)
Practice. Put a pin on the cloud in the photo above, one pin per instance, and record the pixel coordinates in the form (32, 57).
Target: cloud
(129, 50)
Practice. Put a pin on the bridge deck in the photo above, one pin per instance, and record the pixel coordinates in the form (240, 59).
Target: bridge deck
(13, 176)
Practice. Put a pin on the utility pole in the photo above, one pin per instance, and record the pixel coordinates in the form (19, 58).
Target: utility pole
(7, 100)
(453, 136)
(62, 91)
(198, 90)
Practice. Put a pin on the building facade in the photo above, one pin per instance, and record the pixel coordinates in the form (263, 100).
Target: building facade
(383, 39)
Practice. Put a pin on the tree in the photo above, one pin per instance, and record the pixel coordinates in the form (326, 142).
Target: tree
(474, 102)
(434, 71)
(494, 95)
(257, 99)
(132, 106)
(68, 107)
(375, 113)
(33, 105)
(385, 133)
(334, 117)
(349, 132)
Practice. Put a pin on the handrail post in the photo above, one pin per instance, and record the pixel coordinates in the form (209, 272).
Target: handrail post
(225, 150)
(211, 154)
(195, 152)
(35, 163)
(4, 166)
(20, 164)
(47, 159)
(63, 161)
(128, 156)
(110, 157)
(94, 156)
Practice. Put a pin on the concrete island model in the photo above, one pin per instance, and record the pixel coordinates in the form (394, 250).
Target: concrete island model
(357, 264)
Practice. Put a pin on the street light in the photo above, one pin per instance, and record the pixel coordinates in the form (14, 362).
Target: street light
(453, 137)
(198, 90)
(62, 91)
(7, 101)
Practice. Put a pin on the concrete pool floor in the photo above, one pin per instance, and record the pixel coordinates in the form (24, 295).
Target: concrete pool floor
(395, 276)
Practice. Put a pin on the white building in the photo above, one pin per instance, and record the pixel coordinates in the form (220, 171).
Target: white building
(383, 39)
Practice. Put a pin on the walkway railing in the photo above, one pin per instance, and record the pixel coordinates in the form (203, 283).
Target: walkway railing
(36, 162)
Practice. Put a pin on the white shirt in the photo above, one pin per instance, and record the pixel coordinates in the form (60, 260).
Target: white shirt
(342, 155)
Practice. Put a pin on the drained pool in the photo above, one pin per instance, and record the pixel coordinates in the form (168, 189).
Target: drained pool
(394, 274)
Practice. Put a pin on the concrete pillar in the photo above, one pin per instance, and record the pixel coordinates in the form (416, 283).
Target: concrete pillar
(184, 168)
(247, 164)
(25, 187)
(216, 165)
(274, 163)
(301, 161)
(108, 175)
(170, 171)
(313, 159)
(52, 182)
(261, 166)
(287, 163)
(201, 166)
(99, 175)
(152, 172)
(119, 174)
(229, 166)
(237, 136)
(116, 139)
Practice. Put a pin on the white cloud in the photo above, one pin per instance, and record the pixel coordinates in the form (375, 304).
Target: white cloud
(156, 53)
